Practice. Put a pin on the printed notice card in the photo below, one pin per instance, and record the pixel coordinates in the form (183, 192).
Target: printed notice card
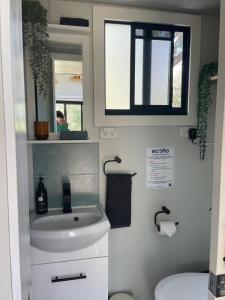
(160, 167)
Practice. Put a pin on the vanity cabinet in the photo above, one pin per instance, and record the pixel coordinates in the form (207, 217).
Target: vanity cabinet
(72, 280)
(75, 275)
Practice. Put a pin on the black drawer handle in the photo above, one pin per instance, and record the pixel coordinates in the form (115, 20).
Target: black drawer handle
(68, 278)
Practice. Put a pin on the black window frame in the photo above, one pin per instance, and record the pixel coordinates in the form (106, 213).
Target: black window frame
(157, 109)
(65, 103)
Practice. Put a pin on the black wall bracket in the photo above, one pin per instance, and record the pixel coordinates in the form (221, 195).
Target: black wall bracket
(116, 159)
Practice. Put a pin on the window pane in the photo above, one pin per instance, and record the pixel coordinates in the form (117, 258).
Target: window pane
(61, 124)
(117, 65)
(177, 68)
(161, 34)
(139, 32)
(74, 117)
(139, 71)
(160, 72)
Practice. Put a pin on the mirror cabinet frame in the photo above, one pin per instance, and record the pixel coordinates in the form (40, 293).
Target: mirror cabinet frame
(68, 37)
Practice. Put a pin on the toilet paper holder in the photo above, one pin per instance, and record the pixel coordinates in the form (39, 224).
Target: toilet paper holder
(164, 210)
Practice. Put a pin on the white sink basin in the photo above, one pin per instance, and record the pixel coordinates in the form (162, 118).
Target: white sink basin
(58, 232)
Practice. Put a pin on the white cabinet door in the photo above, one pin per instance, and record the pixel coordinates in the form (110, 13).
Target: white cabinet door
(73, 280)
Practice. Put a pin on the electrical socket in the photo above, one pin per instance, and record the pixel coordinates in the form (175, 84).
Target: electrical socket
(184, 132)
(109, 133)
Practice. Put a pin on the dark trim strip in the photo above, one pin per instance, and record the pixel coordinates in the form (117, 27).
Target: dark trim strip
(70, 102)
(147, 71)
(146, 110)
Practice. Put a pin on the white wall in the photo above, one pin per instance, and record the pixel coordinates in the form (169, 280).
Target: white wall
(218, 238)
(14, 116)
(138, 258)
(5, 274)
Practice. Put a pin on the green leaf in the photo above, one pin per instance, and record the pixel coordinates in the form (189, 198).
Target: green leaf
(203, 104)
(35, 34)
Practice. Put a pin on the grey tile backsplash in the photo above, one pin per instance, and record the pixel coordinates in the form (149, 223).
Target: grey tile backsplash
(78, 163)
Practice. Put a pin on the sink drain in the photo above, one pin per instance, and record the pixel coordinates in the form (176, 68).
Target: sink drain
(76, 219)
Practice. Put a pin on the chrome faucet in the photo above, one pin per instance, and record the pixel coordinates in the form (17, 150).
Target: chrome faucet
(66, 198)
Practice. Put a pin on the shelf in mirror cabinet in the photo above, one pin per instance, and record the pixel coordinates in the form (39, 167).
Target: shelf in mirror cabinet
(62, 142)
(214, 78)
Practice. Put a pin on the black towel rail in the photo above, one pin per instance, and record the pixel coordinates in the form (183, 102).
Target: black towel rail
(116, 159)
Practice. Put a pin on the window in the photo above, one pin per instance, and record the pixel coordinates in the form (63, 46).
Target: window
(73, 112)
(146, 68)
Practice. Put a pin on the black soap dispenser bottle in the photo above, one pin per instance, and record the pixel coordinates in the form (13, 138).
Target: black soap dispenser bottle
(41, 198)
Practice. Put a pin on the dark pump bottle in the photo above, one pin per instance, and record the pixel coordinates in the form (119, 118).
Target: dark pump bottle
(41, 198)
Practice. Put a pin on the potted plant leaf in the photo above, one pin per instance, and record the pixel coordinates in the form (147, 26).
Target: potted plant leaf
(204, 96)
(35, 36)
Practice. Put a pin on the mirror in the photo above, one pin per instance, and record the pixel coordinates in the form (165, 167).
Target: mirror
(65, 106)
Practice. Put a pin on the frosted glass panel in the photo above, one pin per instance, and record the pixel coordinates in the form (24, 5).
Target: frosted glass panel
(139, 71)
(160, 72)
(139, 32)
(117, 65)
(177, 69)
(161, 34)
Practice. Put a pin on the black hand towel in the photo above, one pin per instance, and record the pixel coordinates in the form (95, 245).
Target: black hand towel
(118, 200)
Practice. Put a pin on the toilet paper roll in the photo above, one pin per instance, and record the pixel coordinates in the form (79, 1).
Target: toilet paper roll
(167, 228)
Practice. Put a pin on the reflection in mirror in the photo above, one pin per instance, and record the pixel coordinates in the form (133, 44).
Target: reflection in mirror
(64, 107)
(68, 94)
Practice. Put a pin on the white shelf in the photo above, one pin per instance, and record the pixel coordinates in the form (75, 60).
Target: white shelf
(66, 29)
(61, 142)
(214, 78)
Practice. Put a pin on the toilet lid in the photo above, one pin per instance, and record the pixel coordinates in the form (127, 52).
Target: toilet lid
(183, 286)
(121, 296)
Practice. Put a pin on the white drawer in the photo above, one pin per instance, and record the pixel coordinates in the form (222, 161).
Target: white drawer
(73, 280)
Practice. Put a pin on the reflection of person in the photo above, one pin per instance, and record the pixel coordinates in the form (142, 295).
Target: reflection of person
(62, 124)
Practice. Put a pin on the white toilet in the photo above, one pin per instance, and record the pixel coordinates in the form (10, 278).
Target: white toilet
(185, 286)
(121, 296)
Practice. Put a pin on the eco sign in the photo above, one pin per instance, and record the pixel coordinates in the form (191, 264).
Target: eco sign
(160, 167)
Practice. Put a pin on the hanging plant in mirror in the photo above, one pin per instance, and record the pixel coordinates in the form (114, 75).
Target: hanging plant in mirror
(204, 96)
(35, 32)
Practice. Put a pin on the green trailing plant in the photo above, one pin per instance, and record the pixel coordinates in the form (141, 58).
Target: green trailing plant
(35, 32)
(203, 104)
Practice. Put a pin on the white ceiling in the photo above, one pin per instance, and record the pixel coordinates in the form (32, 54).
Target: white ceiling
(208, 7)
